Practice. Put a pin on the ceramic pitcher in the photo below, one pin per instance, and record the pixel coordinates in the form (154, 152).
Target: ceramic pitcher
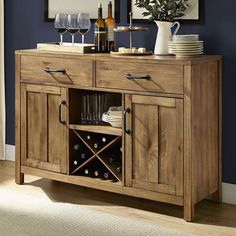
(164, 35)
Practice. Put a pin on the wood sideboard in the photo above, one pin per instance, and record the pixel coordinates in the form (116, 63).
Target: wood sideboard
(171, 134)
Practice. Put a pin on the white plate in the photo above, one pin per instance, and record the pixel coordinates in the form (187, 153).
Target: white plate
(184, 42)
(188, 54)
(189, 46)
(185, 46)
(186, 37)
(174, 50)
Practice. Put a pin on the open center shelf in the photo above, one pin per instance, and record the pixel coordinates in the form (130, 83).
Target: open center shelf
(95, 150)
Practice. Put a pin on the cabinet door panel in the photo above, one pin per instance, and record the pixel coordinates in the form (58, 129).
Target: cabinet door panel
(44, 138)
(156, 160)
(37, 126)
(145, 149)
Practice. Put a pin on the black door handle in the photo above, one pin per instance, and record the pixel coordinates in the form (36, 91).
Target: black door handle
(133, 77)
(127, 110)
(61, 120)
(48, 70)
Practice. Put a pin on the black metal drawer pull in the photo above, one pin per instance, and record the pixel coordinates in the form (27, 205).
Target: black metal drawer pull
(48, 70)
(61, 120)
(127, 110)
(131, 77)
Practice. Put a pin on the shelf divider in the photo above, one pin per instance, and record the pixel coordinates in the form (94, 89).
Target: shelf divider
(102, 129)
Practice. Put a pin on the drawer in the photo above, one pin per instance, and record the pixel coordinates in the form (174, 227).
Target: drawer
(161, 78)
(78, 72)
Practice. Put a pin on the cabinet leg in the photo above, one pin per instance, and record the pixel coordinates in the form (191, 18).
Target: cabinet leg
(19, 178)
(189, 212)
(217, 196)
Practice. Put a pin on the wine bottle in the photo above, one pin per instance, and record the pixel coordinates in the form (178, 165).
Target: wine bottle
(110, 25)
(83, 156)
(104, 140)
(107, 175)
(76, 147)
(119, 169)
(86, 171)
(100, 32)
(75, 163)
(88, 137)
(98, 173)
(111, 160)
(96, 145)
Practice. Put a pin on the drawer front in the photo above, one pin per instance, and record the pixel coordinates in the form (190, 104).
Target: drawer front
(78, 72)
(160, 78)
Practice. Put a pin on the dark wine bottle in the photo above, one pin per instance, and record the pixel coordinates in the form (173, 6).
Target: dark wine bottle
(76, 147)
(96, 145)
(100, 32)
(104, 140)
(83, 156)
(88, 137)
(107, 175)
(111, 160)
(119, 169)
(86, 172)
(75, 162)
(98, 173)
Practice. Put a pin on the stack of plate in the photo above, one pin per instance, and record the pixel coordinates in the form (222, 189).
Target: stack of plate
(113, 117)
(186, 46)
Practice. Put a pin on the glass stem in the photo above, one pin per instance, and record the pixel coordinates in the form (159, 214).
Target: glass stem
(82, 38)
(73, 39)
(61, 36)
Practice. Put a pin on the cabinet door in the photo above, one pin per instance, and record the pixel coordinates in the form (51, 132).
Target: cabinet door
(154, 147)
(44, 137)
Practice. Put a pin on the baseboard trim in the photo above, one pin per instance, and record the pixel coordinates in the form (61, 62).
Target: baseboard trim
(229, 193)
(10, 152)
(228, 190)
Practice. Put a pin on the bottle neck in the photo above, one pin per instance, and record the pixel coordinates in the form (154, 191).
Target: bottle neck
(99, 13)
(109, 10)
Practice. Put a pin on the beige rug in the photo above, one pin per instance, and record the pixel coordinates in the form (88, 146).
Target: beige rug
(24, 215)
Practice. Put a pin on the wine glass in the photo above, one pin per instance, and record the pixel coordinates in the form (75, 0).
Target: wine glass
(72, 26)
(60, 24)
(84, 24)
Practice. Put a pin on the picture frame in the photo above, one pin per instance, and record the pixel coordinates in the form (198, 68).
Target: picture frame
(195, 15)
(76, 6)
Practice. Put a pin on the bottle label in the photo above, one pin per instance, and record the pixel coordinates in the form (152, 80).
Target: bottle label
(110, 33)
(99, 32)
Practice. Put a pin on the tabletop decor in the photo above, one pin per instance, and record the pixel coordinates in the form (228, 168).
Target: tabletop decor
(194, 13)
(163, 12)
(75, 6)
(186, 45)
(122, 51)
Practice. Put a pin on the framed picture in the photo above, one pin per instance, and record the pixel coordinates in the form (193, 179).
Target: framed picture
(194, 14)
(76, 6)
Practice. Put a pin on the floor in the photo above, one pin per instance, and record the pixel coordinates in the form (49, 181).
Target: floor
(211, 218)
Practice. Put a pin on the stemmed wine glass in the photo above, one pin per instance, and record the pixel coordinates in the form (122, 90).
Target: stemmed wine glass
(60, 24)
(72, 26)
(84, 24)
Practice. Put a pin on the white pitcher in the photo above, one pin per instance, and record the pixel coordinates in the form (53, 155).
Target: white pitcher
(164, 35)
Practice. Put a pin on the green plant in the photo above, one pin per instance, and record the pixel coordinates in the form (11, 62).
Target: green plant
(163, 10)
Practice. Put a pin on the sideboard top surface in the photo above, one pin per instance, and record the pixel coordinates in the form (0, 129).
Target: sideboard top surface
(106, 56)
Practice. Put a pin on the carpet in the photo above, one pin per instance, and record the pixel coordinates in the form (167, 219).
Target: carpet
(27, 215)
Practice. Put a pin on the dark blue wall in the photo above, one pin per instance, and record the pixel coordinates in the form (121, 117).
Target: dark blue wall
(25, 26)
